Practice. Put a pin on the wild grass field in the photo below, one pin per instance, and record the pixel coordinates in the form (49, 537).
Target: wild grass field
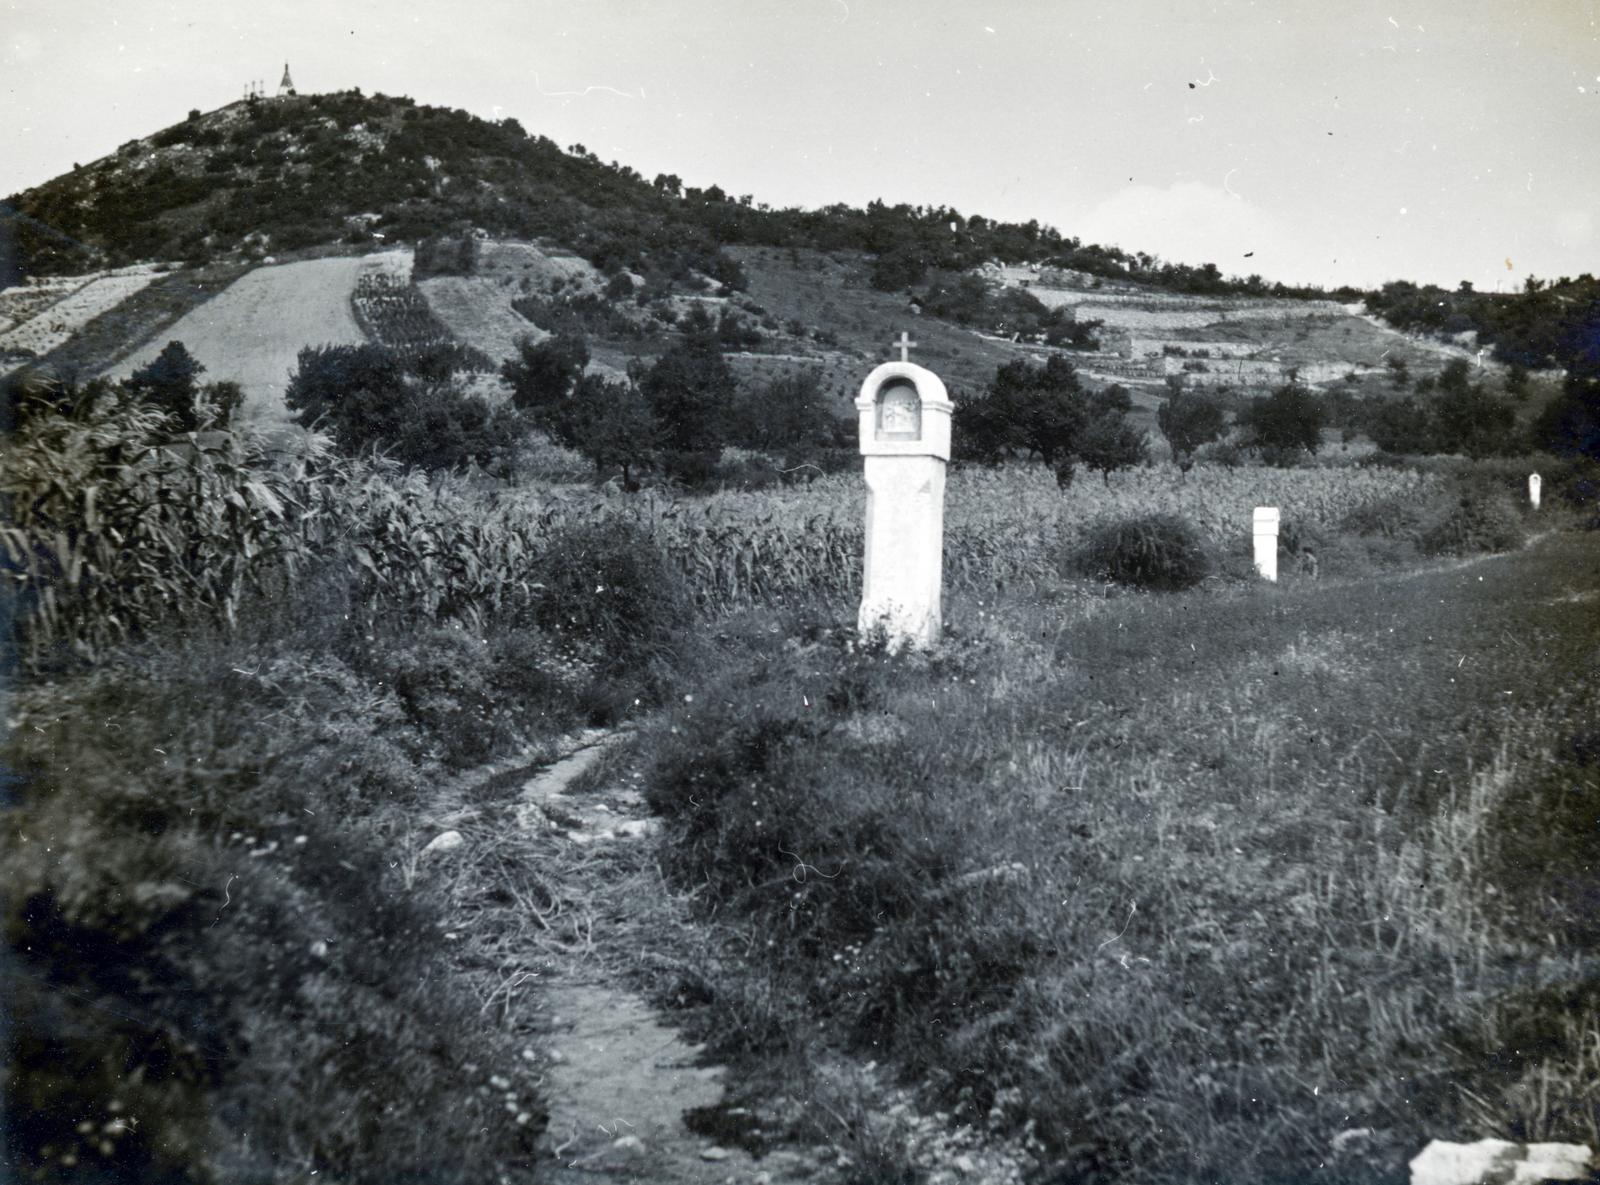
(1262, 885)
(1138, 886)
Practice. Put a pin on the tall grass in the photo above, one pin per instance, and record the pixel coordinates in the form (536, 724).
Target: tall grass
(214, 970)
(1179, 913)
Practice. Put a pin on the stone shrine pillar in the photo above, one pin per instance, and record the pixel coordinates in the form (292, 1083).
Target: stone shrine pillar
(904, 418)
(1265, 527)
(1535, 482)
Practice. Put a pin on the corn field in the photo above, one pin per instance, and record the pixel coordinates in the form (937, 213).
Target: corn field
(103, 538)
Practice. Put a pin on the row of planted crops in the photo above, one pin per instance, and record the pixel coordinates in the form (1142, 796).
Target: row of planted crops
(103, 537)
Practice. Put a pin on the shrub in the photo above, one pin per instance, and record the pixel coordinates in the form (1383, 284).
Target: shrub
(582, 314)
(1482, 519)
(213, 930)
(1393, 517)
(1156, 551)
(444, 682)
(610, 593)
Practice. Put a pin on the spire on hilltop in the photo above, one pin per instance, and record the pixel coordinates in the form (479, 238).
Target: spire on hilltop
(286, 87)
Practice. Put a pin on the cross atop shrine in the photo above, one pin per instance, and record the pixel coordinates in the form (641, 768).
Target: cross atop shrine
(904, 346)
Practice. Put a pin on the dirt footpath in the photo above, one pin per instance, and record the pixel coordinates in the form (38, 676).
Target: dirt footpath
(620, 1078)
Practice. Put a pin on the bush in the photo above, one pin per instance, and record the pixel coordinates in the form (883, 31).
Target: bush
(213, 961)
(1482, 519)
(611, 596)
(444, 683)
(1155, 551)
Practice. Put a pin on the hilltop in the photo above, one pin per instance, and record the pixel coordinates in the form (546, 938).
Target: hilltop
(209, 230)
(300, 171)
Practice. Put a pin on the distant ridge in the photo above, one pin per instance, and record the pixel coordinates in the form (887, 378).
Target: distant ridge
(300, 171)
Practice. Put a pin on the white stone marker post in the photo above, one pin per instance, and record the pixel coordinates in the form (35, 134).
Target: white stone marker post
(1265, 525)
(1534, 484)
(904, 418)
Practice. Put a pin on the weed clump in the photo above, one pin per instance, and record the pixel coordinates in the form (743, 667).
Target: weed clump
(1482, 519)
(1152, 551)
(610, 593)
(807, 798)
(474, 697)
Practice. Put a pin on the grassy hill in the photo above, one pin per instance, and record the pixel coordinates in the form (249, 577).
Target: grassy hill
(511, 229)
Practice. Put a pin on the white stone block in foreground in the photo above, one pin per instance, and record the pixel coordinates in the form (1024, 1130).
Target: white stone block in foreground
(1499, 1162)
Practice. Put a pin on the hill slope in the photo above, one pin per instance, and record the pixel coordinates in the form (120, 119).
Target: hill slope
(513, 234)
(252, 331)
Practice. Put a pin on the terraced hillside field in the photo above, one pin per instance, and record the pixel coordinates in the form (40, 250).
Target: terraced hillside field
(44, 325)
(24, 301)
(253, 330)
(477, 308)
(1253, 342)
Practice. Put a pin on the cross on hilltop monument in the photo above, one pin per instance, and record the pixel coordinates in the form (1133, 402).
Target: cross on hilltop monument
(904, 346)
(286, 87)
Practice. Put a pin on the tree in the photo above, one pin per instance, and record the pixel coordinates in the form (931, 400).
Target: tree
(611, 424)
(1570, 424)
(1402, 426)
(440, 427)
(1109, 442)
(171, 384)
(1517, 380)
(899, 267)
(788, 417)
(545, 373)
(1029, 408)
(1287, 422)
(366, 399)
(1471, 419)
(690, 389)
(354, 393)
(1189, 420)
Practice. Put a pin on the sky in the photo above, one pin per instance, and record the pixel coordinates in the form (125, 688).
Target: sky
(1322, 142)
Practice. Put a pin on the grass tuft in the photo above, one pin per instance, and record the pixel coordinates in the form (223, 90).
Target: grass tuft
(1160, 552)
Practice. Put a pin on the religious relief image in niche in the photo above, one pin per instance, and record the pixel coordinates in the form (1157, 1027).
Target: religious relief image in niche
(899, 413)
